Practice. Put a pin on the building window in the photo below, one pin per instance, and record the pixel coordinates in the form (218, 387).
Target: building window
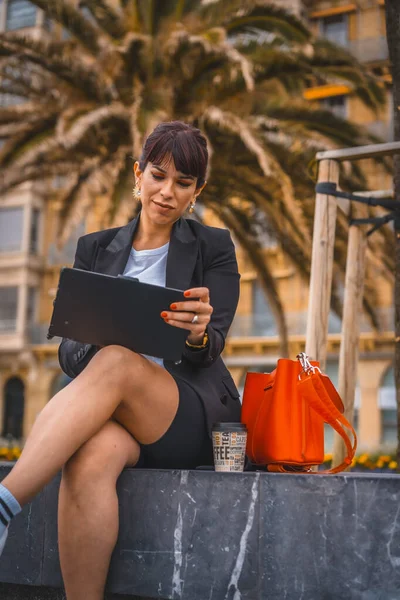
(14, 401)
(263, 320)
(8, 309)
(260, 321)
(388, 405)
(20, 13)
(11, 229)
(336, 104)
(34, 237)
(335, 29)
(389, 426)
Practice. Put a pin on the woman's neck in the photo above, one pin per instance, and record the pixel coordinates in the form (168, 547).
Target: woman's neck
(149, 236)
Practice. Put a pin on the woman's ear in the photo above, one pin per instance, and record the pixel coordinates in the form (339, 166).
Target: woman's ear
(137, 170)
(199, 190)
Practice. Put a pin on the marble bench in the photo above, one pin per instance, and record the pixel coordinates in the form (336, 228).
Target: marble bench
(201, 535)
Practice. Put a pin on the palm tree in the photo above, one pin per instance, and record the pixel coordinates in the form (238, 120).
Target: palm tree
(235, 68)
(392, 8)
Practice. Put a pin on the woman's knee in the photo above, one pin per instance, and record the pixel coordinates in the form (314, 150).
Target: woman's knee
(116, 354)
(102, 457)
(120, 364)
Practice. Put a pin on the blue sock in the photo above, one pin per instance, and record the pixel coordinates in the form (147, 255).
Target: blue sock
(9, 507)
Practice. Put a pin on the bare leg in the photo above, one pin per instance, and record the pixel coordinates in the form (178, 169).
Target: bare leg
(145, 395)
(88, 510)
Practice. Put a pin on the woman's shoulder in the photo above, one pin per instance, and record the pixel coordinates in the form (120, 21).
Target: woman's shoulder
(102, 237)
(207, 232)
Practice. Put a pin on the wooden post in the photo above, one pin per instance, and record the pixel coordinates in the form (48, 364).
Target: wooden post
(352, 308)
(321, 266)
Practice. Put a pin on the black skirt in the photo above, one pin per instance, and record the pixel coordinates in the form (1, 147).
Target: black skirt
(185, 444)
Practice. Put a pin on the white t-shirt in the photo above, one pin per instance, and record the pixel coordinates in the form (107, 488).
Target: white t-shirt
(149, 266)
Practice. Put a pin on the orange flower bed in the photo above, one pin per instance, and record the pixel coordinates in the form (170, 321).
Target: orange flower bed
(10, 453)
(370, 461)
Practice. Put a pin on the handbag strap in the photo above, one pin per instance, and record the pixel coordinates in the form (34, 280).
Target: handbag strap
(314, 391)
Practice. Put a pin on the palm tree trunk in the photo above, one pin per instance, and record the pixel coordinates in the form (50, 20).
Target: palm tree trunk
(392, 8)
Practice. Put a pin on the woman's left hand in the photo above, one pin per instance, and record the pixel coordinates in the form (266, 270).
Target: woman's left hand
(182, 314)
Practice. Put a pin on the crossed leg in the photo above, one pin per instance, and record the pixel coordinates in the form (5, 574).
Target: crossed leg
(119, 398)
(139, 394)
(88, 509)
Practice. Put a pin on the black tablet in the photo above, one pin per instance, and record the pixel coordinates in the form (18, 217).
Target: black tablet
(100, 309)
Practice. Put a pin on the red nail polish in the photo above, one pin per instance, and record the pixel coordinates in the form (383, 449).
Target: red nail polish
(173, 306)
(164, 314)
(166, 320)
(186, 294)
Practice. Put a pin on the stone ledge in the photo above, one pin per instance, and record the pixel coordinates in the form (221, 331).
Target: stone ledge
(11, 591)
(200, 535)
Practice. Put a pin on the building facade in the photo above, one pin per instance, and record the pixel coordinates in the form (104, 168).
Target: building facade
(30, 261)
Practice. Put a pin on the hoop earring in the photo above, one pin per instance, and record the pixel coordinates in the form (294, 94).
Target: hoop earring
(191, 207)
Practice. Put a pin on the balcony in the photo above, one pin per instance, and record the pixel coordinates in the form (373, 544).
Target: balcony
(11, 341)
(264, 325)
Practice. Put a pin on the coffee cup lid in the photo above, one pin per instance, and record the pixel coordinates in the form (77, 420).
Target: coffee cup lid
(229, 426)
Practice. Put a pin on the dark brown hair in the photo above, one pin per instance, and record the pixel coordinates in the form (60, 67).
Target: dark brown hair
(182, 142)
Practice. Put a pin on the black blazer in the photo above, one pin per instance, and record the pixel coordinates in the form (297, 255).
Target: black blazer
(197, 256)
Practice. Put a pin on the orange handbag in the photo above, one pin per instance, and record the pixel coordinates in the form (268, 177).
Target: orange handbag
(285, 411)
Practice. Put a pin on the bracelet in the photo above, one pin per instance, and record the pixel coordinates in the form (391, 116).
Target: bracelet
(198, 346)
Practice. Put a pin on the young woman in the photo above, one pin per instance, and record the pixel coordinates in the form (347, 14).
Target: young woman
(123, 409)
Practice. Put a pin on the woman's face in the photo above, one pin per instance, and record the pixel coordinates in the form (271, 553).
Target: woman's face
(165, 193)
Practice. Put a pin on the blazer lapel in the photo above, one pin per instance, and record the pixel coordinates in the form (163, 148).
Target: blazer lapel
(182, 256)
(112, 259)
(181, 261)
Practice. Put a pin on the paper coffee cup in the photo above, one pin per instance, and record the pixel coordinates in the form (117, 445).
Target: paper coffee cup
(229, 446)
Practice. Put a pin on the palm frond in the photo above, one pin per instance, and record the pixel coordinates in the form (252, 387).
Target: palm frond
(236, 69)
(230, 216)
(79, 195)
(72, 19)
(230, 124)
(11, 179)
(30, 134)
(109, 18)
(271, 62)
(43, 148)
(196, 56)
(18, 112)
(93, 120)
(334, 128)
(331, 61)
(255, 17)
(120, 186)
(86, 78)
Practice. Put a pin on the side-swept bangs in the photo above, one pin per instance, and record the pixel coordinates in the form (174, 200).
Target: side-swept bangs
(180, 142)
